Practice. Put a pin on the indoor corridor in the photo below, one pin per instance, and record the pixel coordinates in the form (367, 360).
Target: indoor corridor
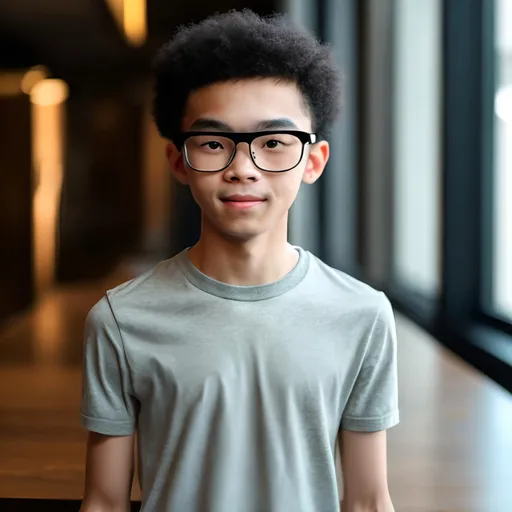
(415, 199)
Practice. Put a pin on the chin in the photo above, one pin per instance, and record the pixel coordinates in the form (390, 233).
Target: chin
(241, 231)
(241, 235)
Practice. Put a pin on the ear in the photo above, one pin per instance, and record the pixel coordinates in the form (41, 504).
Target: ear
(317, 160)
(176, 162)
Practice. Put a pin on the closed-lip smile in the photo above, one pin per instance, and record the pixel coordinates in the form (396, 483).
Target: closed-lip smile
(242, 202)
(240, 198)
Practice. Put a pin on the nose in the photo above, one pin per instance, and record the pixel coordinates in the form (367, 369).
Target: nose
(242, 167)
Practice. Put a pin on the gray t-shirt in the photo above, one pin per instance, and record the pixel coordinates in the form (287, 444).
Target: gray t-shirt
(238, 393)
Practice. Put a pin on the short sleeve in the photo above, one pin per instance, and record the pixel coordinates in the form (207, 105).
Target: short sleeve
(373, 401)
(108, 403)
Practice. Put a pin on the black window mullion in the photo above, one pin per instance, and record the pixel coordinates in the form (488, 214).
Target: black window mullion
(488, 162)
(463, 152)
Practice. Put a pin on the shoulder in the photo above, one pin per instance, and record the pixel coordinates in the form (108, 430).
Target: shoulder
(149, 282)
(100, 314)
(137, 294)
(346, 292)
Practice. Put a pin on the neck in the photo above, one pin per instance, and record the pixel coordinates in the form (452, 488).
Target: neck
(260, 260)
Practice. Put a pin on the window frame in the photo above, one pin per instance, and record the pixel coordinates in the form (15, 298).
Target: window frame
(464, 322)
(487, 314)
(460, 317)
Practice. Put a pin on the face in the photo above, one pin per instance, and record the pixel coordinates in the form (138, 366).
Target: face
(223, 196)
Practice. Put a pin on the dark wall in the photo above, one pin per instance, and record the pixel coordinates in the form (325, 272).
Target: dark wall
(102, 198)
(15, 205)
(185, 219)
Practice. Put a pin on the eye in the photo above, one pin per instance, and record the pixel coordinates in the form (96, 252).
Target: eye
(272, 144)
(213, 144)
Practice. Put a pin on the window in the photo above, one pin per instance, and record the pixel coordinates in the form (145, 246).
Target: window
(417, 153)
(502, 282)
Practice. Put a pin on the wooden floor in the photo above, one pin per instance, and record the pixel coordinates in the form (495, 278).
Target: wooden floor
(452, 451)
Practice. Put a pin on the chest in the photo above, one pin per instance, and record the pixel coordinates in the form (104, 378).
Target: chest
(237, 353)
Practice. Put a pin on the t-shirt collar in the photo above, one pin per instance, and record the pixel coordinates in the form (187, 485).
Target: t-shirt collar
(244, 293)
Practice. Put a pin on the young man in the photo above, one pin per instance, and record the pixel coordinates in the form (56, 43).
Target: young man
(241, 360)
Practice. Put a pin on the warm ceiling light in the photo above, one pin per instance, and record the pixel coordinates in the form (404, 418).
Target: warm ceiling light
(32, 77)
(503, 104)
(49, 92)
(135, 21)
(131, 16)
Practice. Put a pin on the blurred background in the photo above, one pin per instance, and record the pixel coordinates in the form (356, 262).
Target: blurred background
(416, 201)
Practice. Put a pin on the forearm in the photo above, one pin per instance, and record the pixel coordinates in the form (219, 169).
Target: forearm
(109, 474)
(364, 463)
(376, 505)
(96, 505)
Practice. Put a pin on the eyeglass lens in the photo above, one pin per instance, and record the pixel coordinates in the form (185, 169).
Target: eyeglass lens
(272, 152)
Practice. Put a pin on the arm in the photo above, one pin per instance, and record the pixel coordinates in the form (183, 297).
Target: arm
(109, 412)
(363, 456)
(371, 409)
(109, 473)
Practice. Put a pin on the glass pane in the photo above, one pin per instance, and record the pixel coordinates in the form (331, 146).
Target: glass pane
(417, 100)
(503, 161)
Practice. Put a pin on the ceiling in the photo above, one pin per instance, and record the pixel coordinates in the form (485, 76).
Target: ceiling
(79, 40)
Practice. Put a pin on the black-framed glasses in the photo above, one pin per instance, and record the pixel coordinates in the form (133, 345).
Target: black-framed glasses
(271, 151)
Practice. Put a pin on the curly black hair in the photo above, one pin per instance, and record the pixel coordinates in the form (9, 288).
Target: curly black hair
(239, 45)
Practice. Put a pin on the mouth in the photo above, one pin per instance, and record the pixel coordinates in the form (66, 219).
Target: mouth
(242, 202)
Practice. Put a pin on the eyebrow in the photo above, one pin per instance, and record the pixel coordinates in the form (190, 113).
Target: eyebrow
(276, 124)
(268, 124)
(210, 124)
